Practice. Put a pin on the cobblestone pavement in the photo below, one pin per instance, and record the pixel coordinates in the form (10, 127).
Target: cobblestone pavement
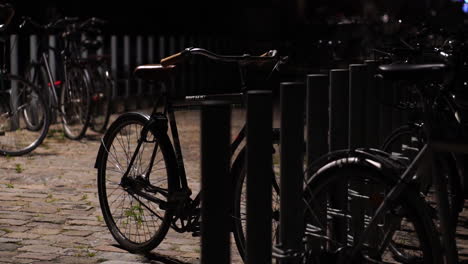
(49, 209)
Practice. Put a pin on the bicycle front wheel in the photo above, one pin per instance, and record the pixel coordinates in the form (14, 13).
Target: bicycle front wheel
(24, 116)
(340, 202)
(136, 206)
(75, 102)
(239, 172)
(405, 142)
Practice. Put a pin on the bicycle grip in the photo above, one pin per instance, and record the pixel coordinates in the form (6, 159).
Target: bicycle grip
(173, 59)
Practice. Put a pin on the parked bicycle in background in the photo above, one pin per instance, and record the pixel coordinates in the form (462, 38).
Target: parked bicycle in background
(24, 114)
(68, 90)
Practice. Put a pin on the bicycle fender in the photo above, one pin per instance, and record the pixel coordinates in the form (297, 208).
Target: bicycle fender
(106, 136)
(372, 158)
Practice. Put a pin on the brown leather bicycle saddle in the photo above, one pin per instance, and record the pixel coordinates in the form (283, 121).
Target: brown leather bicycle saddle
(415, 72)
(154, 72)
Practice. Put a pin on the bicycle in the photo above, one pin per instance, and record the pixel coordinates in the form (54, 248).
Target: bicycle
(98, 68)
(407, 139)
(149, 192)
(24, 117)
(361, 202)
(73, 105)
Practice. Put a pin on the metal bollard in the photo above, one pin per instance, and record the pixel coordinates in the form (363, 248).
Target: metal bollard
(291, 160)
(259, 176)
(358, 82)
(215, 182)
(338, 110)
(372, 107)
(14, 86)
(338, 138)
(316, 116)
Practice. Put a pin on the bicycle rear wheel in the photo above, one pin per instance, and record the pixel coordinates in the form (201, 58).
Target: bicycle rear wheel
(101, 97)
(340, 202)
(24, 116)
(75, 102)
(129, 203)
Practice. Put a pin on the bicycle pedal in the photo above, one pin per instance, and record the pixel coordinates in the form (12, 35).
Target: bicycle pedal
(196, 234)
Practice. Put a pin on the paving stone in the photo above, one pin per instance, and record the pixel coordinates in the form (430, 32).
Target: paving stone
(110, 249)
(117, 262)
(40, 209)
(32, 195)
(22, 235)
(35, 256)
(84, 222)
(120, 256)
(10, 229)
(10, 240)
(9, 246)
(85, 228)
(11, 208)
(7, 255)
(19, 216)
(49, 218)
(13, 222)
(77, 260)
(39, 241)
(80, 233)
(23, 260)
(45, 231)
(46, 249)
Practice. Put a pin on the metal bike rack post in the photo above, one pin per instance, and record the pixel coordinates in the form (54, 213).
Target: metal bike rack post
(215, 182)
(139, 61)
(52, 58)
(316, 116)
(150, 57)
(292, 103)
(14, 70)
(372, 106)
(126, 68)
(338, 109)
(259, 168)
(114, 63)
(358, 82)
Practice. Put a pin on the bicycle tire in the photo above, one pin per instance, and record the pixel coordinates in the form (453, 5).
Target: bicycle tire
(24, 116)
(411, 137)
(339, 203)
(239, 207)
(75, 102)
(121, 209)
(101, 98)
(36, 74)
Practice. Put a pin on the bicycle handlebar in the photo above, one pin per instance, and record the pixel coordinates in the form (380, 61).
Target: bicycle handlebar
(173, 59)
(177, 58)
(63, 23)
(92, 22)
(57, 24)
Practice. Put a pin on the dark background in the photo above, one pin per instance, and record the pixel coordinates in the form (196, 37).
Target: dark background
(264, 18)
(313, 33)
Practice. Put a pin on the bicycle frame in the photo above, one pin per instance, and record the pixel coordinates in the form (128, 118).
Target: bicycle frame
(159, 123)
(64, 58)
